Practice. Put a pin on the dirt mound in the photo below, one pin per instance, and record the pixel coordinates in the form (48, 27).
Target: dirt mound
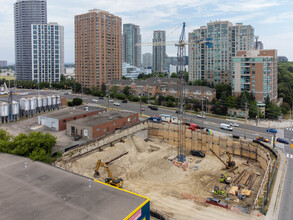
(162, 171)
(140, 144)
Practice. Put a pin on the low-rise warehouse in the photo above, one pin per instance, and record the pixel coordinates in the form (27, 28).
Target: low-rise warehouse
(99, 125)
(34, 190)
(57, 120)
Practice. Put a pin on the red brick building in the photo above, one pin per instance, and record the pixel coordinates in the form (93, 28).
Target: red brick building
(99, 125)
(57, 120)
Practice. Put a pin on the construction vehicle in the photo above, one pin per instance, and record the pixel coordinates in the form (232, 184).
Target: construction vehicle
(218, 192)
(117, 182)
(231, 163)
(225, 179)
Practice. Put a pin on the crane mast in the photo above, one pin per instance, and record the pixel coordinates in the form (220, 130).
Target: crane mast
(181, 97)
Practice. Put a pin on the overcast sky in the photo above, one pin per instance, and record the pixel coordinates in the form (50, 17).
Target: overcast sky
(271, 19)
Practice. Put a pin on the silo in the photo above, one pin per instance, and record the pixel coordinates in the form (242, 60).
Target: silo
(45, 103)
(49, 99)
(21, 106)
(4, 112)
(33, 105)
(54, 101)
(58, 101)
(39, 103)
(15, 110)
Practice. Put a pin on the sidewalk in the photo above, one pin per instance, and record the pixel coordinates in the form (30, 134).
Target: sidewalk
(275, 202)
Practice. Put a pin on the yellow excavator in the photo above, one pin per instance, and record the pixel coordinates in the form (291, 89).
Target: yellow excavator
(231, 163)
(117, 182)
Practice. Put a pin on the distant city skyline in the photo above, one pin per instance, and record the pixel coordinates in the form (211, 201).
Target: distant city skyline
(270, 18)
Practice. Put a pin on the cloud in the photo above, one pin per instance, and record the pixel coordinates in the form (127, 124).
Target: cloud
(278, 18)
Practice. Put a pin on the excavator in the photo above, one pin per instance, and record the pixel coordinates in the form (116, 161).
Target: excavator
(225, 179)
(218, 192)
(231, 163)
(117, 182)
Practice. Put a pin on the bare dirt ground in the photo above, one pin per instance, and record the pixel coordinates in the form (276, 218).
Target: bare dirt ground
(180, 194)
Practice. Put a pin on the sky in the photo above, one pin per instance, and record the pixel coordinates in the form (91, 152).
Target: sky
(271, 19)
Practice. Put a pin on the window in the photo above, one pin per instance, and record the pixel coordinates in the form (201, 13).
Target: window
(74, 118)
(97, 129)
(114, 123)
(128, 119)
(105, 129)
(64, 120)
(84, 116)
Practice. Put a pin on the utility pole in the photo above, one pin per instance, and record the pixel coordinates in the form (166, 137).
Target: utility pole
(245, 120)
(108, 94)
(257, 115)
(140, 102)
(201, 123)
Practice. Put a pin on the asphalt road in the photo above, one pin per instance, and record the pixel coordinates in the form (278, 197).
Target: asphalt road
(209, 122)
(286, 211)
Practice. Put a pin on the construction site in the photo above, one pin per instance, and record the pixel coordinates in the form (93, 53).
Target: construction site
(143, 158)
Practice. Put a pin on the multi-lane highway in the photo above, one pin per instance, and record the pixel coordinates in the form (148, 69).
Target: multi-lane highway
(209, 122)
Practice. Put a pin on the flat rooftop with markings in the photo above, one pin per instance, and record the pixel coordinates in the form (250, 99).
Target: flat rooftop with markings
(34, 190)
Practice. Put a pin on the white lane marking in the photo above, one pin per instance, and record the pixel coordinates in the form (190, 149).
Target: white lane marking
(288, 155)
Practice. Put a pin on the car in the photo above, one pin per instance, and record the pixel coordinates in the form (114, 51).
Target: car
(197, 153)
(65, 93)
(262, 139)
(142, 109)
(116, 103)
(101, 98)
(226, 127)
(234, 124)
(94, 100)
(124, 101)
(111, 100)
(200, 116)
(283, 141)
(152, 107)
(272, 130)
(217, 202)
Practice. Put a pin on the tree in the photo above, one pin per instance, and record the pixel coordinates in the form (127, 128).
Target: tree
(174, 75)
(252, 109)
(126, 90)
(231, 101)
(114, 89)
(220, 88)
(76, 101)
(103, 89)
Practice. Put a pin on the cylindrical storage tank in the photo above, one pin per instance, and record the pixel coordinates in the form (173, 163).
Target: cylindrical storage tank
(21, 103)
(5, 108)
(15, 108)
(1, 109)
(54, 101)
(49, 98)
(45, 102)
(26, 104)
(33, 102)
(40, 102)
(58, 100)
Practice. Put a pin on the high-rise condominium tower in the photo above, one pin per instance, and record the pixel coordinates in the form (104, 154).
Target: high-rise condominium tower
(26, 13)
(98, 48)
(215, 64)
(131, 52)
(47, 52)
(159, 51)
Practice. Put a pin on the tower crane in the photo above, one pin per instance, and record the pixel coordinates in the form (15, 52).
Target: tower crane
(181, 51)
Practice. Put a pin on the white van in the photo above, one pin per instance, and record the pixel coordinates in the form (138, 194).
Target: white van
(226, 127)
(165, 118)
